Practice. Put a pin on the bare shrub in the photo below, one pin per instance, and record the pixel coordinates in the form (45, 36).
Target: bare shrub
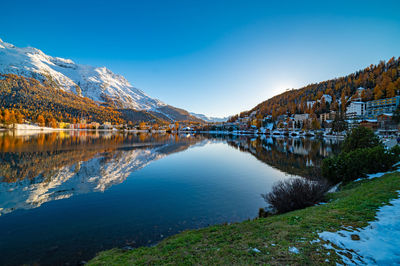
(295, 193)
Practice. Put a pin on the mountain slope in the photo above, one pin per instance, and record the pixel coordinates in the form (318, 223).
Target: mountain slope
(33, 98)
(209, 118)
(96, 83)
(377, 82)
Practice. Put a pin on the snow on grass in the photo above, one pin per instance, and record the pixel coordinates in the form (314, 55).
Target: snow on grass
(294, 250)
(255, 250)
(376, 175)
(378, 243)
(315, 241)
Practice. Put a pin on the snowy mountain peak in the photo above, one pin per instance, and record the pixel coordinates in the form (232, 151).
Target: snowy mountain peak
(97, 83)
(209, 118)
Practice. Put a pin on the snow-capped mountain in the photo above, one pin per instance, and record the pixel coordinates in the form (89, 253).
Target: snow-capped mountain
(96, 83)
(210, 119)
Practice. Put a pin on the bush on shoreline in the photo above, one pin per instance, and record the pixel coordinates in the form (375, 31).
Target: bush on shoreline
(362, 154)
(359, 138)
(295, 193)
(349, 166)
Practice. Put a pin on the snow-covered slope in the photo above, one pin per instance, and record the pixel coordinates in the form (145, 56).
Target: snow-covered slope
(210, 119)
(97, 83)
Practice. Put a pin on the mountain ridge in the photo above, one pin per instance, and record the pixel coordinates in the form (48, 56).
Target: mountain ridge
(96, 83)
(210, 118)
(375, 81)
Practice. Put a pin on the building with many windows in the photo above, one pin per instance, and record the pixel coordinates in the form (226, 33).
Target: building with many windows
(356, 110)
(327, 116)
(378, 107)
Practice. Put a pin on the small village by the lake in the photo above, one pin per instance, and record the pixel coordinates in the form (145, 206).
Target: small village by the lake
(199, 132)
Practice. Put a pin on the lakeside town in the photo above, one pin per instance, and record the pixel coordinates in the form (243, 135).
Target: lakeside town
(199, 133)
(377, 115)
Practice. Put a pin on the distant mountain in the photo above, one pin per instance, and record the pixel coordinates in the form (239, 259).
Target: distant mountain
(210, 119)
(96, 83)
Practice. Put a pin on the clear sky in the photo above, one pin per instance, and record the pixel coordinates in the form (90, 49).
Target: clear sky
(212, 57)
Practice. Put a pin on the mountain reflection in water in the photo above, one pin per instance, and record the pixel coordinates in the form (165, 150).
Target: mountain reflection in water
(45, 167)
(66, 196)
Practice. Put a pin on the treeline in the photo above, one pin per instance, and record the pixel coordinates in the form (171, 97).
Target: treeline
(27, 98)
(380, 81)
(8, 117)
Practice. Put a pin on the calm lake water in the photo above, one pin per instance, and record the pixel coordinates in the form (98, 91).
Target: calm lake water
(66, 196)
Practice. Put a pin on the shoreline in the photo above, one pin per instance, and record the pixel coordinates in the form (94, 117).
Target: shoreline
(31, 129)
(261, 240)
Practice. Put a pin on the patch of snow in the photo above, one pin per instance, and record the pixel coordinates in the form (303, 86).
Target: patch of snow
(334, 188)
(376, 175)
(255, 250)
(315, 241)
(294, 250)
(378, 243)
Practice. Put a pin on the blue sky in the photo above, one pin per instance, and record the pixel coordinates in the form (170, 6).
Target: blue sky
(212, 57)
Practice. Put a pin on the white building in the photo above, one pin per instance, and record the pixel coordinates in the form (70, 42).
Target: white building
(310, 104)
(356, 109)
(327, 97)
(359, 91)
(300, 117)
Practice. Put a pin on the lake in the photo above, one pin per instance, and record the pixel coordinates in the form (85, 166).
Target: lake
(66, 196)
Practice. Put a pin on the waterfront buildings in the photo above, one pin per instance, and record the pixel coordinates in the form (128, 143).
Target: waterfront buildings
(382, 106)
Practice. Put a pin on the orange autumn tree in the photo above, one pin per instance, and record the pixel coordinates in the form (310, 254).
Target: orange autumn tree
(142, 125)
(40, 120)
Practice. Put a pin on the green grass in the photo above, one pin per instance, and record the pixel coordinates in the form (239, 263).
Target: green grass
(355, 205)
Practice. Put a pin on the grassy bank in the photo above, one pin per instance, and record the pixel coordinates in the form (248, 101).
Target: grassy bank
(354, 205)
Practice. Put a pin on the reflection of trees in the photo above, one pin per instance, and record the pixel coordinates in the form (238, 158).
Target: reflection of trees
(295, 156)
(56, 167)
(27, 157)
(28, 165)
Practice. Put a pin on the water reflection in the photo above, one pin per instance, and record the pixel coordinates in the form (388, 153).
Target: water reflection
(44, 167)
(66, 196)
(294, 156)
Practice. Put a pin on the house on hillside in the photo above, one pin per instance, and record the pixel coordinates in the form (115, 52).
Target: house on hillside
(327, 116)
(370, 123)
(385, 121)
(327, 98)
(359, 91)
(300, 117)
(107, 125)
(253, 114)
(310, 104)
(356, 109)
(382, 106)
(94, 125)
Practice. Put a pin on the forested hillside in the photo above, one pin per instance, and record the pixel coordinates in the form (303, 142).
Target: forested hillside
(380, 81)
(44, 103)
(34, 100)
